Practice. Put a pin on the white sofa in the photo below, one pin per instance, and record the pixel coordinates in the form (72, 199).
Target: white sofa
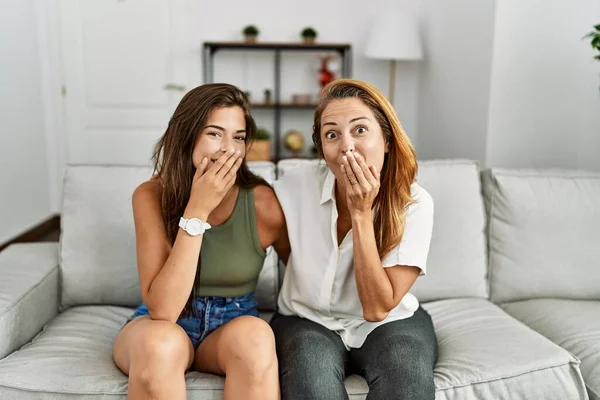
(513, 288)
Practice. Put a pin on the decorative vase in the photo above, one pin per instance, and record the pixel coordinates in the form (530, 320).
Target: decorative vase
(325, 75)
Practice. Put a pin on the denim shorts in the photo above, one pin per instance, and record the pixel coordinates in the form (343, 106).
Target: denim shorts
(209, 313)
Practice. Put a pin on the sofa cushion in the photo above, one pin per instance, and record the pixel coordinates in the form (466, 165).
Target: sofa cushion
(573, 325)
(72, 359)
(456, 266)
(28, 292)
(543, 233)
(284, 166)
(483, 354)
(98, 261)
(486, 354)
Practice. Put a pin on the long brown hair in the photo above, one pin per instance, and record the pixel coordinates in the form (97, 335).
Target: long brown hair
(173, 153)
(399, 166)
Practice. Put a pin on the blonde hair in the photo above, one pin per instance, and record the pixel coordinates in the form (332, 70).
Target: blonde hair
(399, 166)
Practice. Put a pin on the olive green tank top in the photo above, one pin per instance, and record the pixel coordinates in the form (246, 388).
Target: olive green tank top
(231, 256)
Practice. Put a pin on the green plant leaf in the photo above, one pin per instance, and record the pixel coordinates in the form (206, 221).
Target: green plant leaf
(250, 30)
(597, 27)
(597, 57)
(262, 134)
(308, 32)
(595, 41)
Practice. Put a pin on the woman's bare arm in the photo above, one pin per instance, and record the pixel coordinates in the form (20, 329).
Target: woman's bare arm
(271, 221)
(380, 289)
(166, 273)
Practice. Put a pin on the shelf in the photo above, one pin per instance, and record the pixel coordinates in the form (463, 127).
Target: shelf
(290, 106)
(279, 50)
(292, 46)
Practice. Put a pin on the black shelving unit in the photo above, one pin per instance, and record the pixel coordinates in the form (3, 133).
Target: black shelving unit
(210, 48)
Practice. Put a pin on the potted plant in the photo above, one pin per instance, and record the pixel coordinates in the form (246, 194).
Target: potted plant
(250, 33)
(260, 150)
(267, 96)
(309, 35)
(594, 37)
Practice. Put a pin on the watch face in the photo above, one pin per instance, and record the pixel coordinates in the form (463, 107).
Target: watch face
(194, 227)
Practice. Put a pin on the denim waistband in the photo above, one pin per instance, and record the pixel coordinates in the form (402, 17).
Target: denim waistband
(217, 300)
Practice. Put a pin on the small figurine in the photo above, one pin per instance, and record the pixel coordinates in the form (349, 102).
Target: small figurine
(325, 75)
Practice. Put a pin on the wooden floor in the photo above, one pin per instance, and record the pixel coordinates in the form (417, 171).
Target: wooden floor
(52, 236)
(45, 231)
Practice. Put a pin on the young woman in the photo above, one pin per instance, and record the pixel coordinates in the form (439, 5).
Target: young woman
(360, 229)
(202, 224)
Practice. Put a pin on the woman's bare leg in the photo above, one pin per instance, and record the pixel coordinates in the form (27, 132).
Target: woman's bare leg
(244, 351)
(155, 355)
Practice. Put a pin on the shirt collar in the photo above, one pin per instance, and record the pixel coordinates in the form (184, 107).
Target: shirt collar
(328, 187)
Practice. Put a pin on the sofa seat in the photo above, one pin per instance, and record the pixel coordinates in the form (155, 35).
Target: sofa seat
(573, 325)
(72, 358)
(483, 353)
(486, 354)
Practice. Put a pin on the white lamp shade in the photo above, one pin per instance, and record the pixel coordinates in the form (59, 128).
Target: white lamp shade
(395, 37)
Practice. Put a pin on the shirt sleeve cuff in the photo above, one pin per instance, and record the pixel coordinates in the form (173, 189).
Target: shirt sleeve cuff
(393, 260)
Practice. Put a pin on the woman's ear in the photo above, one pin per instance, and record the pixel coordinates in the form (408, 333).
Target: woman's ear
(386, 147)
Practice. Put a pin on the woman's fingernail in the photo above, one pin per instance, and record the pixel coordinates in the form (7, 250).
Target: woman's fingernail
(345, 158)
(356, 155)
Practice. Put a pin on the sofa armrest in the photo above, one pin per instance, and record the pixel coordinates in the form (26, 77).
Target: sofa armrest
(29, 280)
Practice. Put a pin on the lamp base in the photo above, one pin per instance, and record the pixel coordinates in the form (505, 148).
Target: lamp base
(392, 81)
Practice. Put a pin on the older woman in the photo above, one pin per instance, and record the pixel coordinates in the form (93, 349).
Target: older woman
(359, 229)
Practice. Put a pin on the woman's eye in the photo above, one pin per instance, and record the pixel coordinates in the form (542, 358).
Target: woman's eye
(242, 138)
(361, 129)
(214, 134)
(330, 135)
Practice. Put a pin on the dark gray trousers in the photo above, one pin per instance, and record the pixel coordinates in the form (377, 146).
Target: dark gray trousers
(396, 359)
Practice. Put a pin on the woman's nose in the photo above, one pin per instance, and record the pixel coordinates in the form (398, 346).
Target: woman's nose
(226, 145)
(347, 145)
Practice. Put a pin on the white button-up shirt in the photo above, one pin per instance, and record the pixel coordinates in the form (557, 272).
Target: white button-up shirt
(319, 282)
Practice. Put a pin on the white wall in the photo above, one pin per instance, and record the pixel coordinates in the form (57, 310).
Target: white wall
(508, 83)
(24, 179)
(545, 102)
(335, 20)
(455, 78)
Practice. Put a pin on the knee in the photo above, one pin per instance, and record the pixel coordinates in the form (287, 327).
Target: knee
(311, 366)
(311, 356)
(159, 352)
(254, 349)
(163, 344)
(413, 362)
(308, 346)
